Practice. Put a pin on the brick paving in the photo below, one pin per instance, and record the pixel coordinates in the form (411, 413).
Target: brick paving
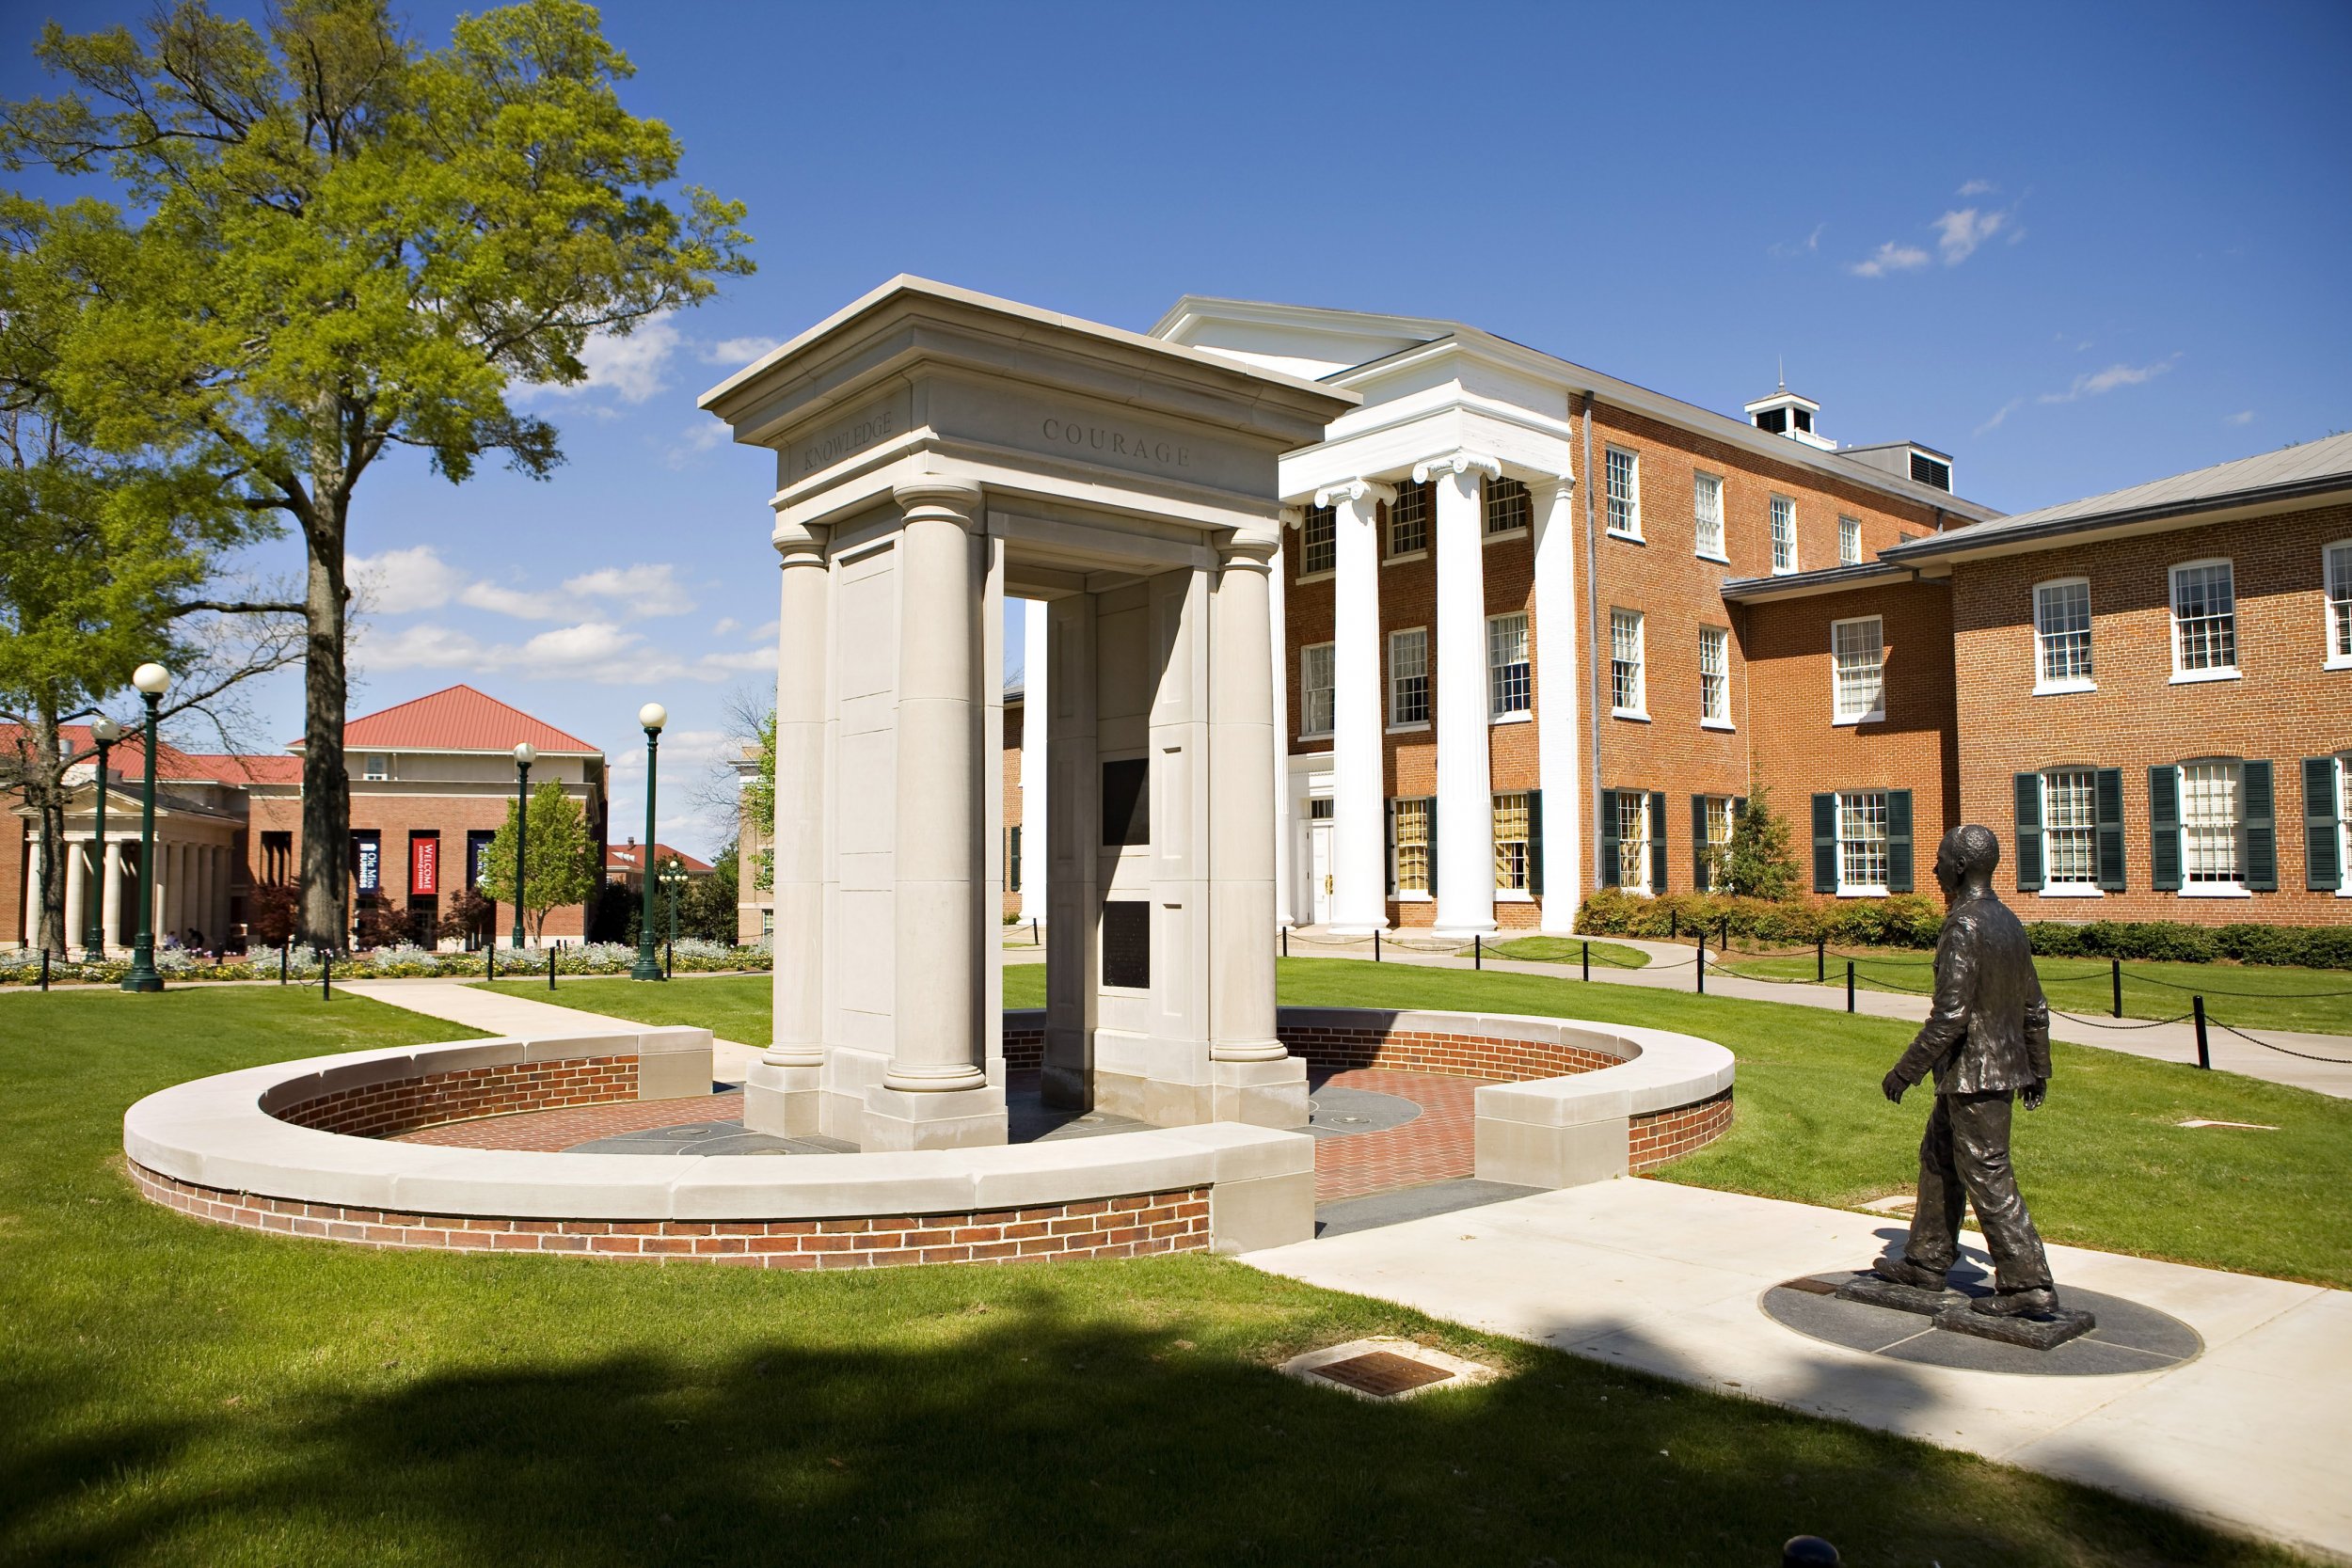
(1436, 1146)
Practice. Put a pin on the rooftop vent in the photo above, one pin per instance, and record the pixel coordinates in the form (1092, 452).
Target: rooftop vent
(1784, 413)
(1906, 460)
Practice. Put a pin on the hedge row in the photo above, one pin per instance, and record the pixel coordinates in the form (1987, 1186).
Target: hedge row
(1913, 920)
(21, 966)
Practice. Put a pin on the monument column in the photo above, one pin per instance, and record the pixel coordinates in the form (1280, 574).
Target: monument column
(110, 899)
(1036, 703)
(1359, 877)
(1557, 730)
(936, 1093)
(780, 1095)
(1285, 880)
(1465, 825)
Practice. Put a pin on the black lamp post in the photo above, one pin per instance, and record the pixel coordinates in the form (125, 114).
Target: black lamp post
(105, 732)
(525, 754)
(651, 715)
(673, 885)
(151, 680)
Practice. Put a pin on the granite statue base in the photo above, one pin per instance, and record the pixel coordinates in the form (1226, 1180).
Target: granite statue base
(1953, 1309)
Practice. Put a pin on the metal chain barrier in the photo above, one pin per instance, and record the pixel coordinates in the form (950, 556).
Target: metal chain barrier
(2283, 1051)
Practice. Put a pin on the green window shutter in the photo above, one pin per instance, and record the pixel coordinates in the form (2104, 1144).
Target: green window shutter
(1388, 844)
(1431, 828)
(1658, 841)
(1535, 843)
(2322, 862)
(2164, 829)
(1826, 843)
(1609, 838)
(2108, 797)
(2029, 788)
(1012, 858)
(1739, 807)
(1698, 842)
(1899, 840)
(2260, 816)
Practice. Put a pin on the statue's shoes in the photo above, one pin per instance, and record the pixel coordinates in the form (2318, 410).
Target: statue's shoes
(1902, 1270)
(2038, 1302)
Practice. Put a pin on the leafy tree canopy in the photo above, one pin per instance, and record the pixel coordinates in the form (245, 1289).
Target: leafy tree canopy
(560, 865)
(1758, 862)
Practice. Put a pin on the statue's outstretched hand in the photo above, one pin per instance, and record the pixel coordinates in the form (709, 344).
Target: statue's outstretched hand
(1894, 1086)
(2035, 1092)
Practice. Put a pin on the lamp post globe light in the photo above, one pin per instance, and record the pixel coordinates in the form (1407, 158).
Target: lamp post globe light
(152, 681)
(105, 732)
(525, 754)
(651, 717)
(673, 886)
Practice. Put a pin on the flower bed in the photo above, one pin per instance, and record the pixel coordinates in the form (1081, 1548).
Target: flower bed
(21, 966)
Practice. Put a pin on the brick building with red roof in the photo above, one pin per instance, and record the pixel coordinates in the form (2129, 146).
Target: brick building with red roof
(431, 781)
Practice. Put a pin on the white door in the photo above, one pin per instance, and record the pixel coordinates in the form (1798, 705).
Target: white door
(1319, 861)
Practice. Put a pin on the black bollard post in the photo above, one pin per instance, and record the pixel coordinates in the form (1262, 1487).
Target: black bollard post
(1376, 944)
(1674, 925)
(2115, 973)
(1477, 953)
(44, 969)
(1850, 985)
(669, 959)
(285, 960)
(1699, 963)
(490, 959)
(1808, 1551)
(1588, 960)
(551, 968)
(1820, 960)
(1035, 940)
(1286, 942)
(326, 975)
(1723, 938)
(2205, 1057)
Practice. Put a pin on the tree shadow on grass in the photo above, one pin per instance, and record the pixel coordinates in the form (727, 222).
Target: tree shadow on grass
(1022, 1434)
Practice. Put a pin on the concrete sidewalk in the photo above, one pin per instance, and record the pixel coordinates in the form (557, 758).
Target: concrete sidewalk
(1671, 969)
(2250, 1435)
(504, 1013)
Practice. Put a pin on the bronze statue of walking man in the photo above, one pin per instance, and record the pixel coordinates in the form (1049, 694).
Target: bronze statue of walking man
(1987, 1040)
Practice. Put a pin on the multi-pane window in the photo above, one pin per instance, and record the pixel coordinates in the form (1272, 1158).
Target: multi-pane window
(1318, 541)
(1409, 676)
(1715, 675)
(1625, 693)
(2340, 603)
(1850, 540)
(1784, 534)
(1707, 509)
(2204, 617)
(1861, 842)
(1624, 494)
(1509, 508)
(1412, 832)
(1718, 823)
(2209, 824)
(1510, 681)
(1633, 840)
(1409, 520)
(1510, 840)
(1858, 669)
(1314, 689)
(378, 766)
(2070, 829)
(2061, 632)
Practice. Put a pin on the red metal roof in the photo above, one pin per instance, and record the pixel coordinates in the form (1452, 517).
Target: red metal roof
(458, 719)
(623, 857)
(128, 759)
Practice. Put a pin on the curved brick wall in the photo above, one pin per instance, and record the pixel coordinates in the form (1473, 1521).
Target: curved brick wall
(386, 1110)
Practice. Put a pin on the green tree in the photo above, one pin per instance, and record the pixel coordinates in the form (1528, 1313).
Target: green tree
(559, 857)
(757, 802)
(348, 244)
(1757, 861)
(709, 910)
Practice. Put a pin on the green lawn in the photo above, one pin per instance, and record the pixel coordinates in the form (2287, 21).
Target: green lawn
(732, 1006)
(1570, 950)
(2252, 996)
(2105, 1162)
(175, 1393)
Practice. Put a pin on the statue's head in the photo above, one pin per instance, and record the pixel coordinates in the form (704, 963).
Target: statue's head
(1966, 859)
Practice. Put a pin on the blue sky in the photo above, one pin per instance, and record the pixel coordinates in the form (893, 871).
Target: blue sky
(2076, 246)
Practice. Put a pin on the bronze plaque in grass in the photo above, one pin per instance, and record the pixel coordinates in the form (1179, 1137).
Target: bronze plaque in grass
(1382, 1374)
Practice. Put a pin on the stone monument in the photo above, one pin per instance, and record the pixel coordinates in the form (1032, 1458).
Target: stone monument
(938, 451)
(1987, 1042)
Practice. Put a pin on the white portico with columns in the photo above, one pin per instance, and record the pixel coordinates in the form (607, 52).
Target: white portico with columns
(939, 452)
(1453, 410)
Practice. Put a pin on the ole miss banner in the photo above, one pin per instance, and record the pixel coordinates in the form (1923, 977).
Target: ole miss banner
(424, 864)
(366, 862)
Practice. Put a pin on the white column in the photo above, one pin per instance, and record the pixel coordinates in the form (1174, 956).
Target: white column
(76, 893)
(798, 833)
(1557, 694)
(1359, 877)
(201, 892)
(110, 899)
(1241, 811)
(937, 856)
(1465, 821)
(167, 889)
(1036, 665)
(32, 890)
(1278, 651)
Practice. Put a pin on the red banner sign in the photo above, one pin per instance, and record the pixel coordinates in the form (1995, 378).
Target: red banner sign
(425, 865)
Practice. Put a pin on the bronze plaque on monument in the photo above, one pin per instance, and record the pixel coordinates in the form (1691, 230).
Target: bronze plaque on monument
(1127, 944)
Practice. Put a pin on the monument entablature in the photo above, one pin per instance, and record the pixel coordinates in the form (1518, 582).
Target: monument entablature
(936, 450)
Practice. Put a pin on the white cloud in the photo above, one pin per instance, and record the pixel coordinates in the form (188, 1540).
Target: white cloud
(1976, 188)
(423, 648)
(704, 436)
(2097, 382)
(2243, 416)
(399, 582)
(1890, 257)
(750, 659)
(738, 352)
(522, 605)
(639, 589)
(631, 368)
(1959, 232)
(2005, 411)
(600, 652)
(1809, 244)
(724, 624)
